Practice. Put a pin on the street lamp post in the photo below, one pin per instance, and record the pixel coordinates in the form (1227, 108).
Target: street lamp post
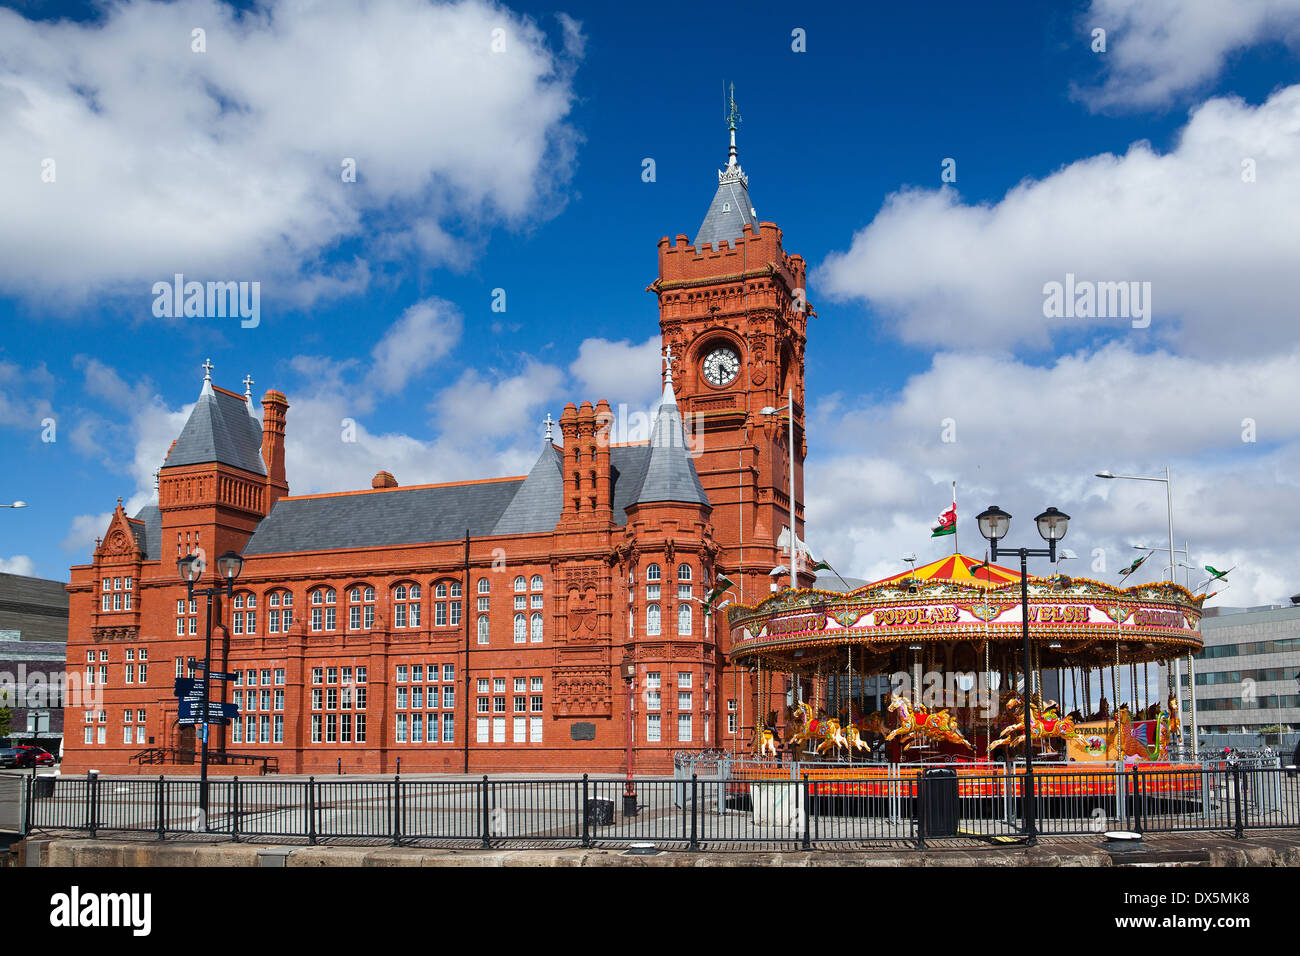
(994, 523)
(191, 568)
(1178, 679)
(772, 410)
(628, 668)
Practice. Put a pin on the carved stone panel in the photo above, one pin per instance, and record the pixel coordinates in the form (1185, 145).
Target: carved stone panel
(581, 691)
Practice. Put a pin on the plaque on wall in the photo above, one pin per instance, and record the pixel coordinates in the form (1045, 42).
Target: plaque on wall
(582, 730)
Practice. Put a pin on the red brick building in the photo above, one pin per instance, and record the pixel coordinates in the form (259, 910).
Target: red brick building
(480, 625)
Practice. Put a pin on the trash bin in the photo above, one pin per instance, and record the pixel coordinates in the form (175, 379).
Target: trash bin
(600, 813)
(44, 788)
(937, 802)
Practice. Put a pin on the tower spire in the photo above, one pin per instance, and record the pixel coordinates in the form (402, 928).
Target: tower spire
(733, 120)
(207, 376)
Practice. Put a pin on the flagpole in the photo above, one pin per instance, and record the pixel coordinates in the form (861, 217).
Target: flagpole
(954, 518)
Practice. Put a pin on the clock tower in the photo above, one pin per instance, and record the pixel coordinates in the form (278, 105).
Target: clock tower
(733, 308)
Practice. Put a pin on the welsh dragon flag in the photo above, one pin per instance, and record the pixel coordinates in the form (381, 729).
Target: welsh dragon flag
(947, 523)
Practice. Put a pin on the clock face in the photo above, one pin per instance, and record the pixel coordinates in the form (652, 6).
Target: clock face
(721, 366)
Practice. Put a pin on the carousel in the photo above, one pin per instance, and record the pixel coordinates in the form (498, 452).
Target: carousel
(944, 643)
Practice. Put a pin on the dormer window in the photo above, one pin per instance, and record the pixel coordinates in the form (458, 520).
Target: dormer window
(726, 207)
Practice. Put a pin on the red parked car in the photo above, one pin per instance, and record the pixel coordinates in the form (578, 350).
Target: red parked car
(33, 756)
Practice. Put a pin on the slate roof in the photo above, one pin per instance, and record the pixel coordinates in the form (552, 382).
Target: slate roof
(414, 515)
(220, 429)
(670, 474)
(537, 504)
(728, 214)
(147, 526)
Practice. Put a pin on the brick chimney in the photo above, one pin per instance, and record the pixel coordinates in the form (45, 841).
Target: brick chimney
(274, 410)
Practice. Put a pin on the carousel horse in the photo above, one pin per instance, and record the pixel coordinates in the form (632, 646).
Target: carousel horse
(1175, 721)
(803, 726)
(832, 736)
(765, 737)
(1044, 723)
(1162, 736)
(920, 723)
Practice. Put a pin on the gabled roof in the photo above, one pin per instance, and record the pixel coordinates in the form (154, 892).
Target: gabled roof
(729, 213)
(537, 504)
(220, 429)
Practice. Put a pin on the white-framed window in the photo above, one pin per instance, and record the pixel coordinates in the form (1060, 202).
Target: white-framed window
(652, 728)
(731, 723)
(683, 572)
(316, 619)
(683, 727)
(536, 632)
(401, 673)
(448, 672)
(536, 583)
(652, 592)
(483, 630)
(652, 572)
(433, 728)
(683, 592)
(536, 706)
(498, 730)
(521, 629)
(652, 619)
(448, 696)
(683, 700)
(482, 685)
(481, 726)
(484, 604)
(448, 728)
(417, 728)
(521, 602)
(521, 730)
(535, 685)
(683, 619)
(683, 678)
(484, 586)
(315, 728)
(106, 585)
(520, 583)
(536, 602)
(401, 728)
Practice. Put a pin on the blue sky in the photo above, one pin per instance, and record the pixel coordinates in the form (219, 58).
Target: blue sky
(522, 171)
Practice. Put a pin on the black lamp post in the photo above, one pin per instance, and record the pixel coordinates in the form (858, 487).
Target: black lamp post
(994, 524)
(191, 568)
(628, 670)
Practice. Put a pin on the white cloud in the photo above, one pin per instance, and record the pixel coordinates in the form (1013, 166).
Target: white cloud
(621, 372)
(1218, 252)
(19, 564)
(426, 332)
(1158, 50)
(226, 164)
(1038, 438)
(476, 406)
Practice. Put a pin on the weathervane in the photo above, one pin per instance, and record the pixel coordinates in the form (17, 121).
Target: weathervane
(248, 387)
(549, 423)
(733, 173)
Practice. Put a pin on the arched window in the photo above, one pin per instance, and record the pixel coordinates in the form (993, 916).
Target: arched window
(440, 589)
(652, 619)
(278, 621)
(483, 629)
(323, 618)
(361, 609)
(536, 583)
(520, 583)
(406, 605)
(484, 586)
(537, 629)
(652, 573)
(684, 619)
(683, 572)
(521, 629)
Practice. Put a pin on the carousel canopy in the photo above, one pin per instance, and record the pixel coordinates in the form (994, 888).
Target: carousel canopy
(951, 608)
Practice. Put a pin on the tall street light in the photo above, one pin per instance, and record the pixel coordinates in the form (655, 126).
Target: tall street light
(773, 410)
(994, 524)
(1173, 565)
(191, 568)
(628, 669)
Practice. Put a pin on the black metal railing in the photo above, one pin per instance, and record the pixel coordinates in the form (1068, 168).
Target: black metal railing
(897, 807)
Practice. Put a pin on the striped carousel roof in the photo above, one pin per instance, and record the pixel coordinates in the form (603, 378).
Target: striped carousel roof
(958, 567)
